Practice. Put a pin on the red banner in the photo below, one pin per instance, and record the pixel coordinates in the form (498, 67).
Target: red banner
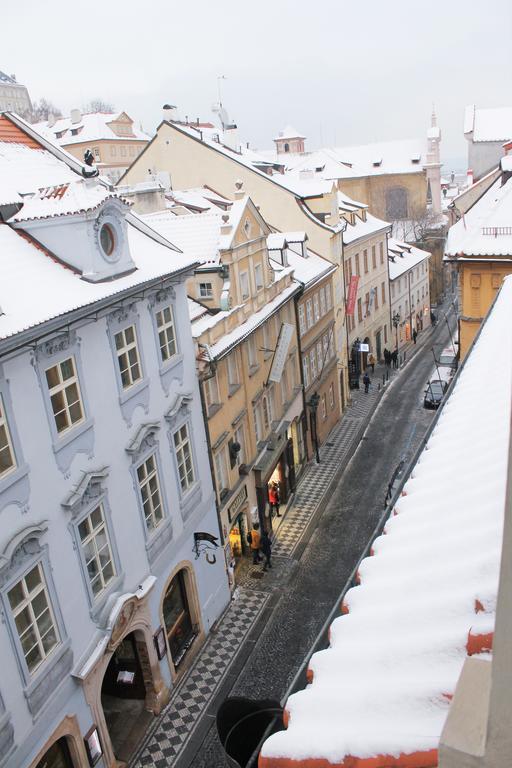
(352, 295)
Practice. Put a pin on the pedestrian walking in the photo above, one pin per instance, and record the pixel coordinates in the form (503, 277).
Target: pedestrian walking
(371, 362)
(366, 382)
(414, 335)
(433, 318)
(273, 499)
(394, 358)
(254, 540)
(266, 548)
(387, 357)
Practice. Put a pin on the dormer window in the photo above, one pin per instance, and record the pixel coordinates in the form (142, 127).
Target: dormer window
(107, 239)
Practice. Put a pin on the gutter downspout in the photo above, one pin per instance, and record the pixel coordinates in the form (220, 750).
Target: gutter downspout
(301, 368)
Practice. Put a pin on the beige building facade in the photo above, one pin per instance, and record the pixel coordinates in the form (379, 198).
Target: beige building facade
(193, 160)
(13, 95)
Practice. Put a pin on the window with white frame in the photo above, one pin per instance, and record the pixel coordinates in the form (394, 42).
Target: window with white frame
(309, 313)
(221, 471)
(305, 368)
(331, 343)
(258, 276)
(325, 346)
(316, 307)
(302, 320)
(233, 376)
(244, 285)
(211, 392)
(7, 457)
(322, 301)
(266, 341)
(312, 363)
(252, 355)
(33, 617)
(128, 356)
(324, 407)
(240, 439)
(149, 486)
(166, 333)
(320, 356)
(184, 458)
(64, 390)
(256, 414)
(205, 290)
(96, 549)
(331, 397)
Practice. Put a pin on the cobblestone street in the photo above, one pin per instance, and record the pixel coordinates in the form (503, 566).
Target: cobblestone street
(273, 620)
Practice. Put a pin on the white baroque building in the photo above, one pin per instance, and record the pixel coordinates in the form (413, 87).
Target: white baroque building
(105, 593)
(409, 289)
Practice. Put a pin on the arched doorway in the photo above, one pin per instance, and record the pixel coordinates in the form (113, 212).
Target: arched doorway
(57, 756)
(127, 685)
(180, 627)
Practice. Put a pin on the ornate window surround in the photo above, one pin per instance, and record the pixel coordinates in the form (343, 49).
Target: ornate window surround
(21, 553)
(172, 368)
(15, 486)
(79, 438)
(138, 394)
(176, 416)
(88, 493)
(143, 445)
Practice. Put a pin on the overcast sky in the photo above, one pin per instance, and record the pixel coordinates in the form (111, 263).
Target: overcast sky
(340, 72)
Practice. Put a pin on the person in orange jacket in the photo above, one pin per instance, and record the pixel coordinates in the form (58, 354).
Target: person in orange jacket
(254, 540)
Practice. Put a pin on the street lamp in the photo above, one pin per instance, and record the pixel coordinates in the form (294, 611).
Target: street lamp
(313, 403)
(396, 323)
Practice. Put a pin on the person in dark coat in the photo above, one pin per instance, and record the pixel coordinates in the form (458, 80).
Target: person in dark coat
(366, 382)
(394, 358)
(266, 548)
(387, 357)
(414, 335)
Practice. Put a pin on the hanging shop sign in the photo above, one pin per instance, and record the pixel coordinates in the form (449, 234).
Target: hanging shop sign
(352, 295)
(281, 352)
(237, 504)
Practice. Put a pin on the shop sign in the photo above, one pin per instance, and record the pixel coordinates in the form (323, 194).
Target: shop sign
(234, 508)
(281, 352)
(364, 347)
(352, 294)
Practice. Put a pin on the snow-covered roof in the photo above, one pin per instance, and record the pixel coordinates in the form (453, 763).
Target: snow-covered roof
(486, 228)
(308, 270)
(199, 234)
(361, 228)
(229, 340)
(289, 133)
(382, 689)
(90, 127)
(404, 156)
(403, 257)
(494, 124)
(7, 79)
(35, 287)
(62, 199)
(26, 170)
(195, 309)
(506, 163)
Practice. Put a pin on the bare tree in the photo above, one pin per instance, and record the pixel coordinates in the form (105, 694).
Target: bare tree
(41, 110)
(417, 227)
(99, 105)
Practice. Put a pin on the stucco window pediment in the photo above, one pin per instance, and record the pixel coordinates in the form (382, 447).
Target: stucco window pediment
(21, 547)
(180, 408)
(143, 440)
(88, 490)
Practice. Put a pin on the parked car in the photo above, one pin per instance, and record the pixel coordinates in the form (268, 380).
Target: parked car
(434, 393)
(448, 357)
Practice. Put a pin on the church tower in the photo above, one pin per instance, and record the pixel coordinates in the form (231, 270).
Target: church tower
(433, 164)
(289, 141)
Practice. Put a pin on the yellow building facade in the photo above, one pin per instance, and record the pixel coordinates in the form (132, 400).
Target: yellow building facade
(193, 161)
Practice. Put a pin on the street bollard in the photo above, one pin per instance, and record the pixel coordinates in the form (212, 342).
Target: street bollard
(405, 353)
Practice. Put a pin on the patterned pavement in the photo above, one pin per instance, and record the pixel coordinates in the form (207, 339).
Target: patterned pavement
(168, 737)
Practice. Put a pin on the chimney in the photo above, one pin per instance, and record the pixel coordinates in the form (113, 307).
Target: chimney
(76, 116)
(13, 77)
(470, 177)
(239, 190)
(231, 137)
(225, 227)
(51, 119)
(170, 113)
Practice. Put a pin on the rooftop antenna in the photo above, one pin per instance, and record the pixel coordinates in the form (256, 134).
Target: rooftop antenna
(219, 78)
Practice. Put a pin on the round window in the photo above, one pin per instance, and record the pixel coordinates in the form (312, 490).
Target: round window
(107, 240)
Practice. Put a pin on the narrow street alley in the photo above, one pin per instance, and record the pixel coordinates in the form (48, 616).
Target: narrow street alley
(270, 626)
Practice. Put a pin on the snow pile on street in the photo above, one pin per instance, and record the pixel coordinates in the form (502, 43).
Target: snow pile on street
(383, 686)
